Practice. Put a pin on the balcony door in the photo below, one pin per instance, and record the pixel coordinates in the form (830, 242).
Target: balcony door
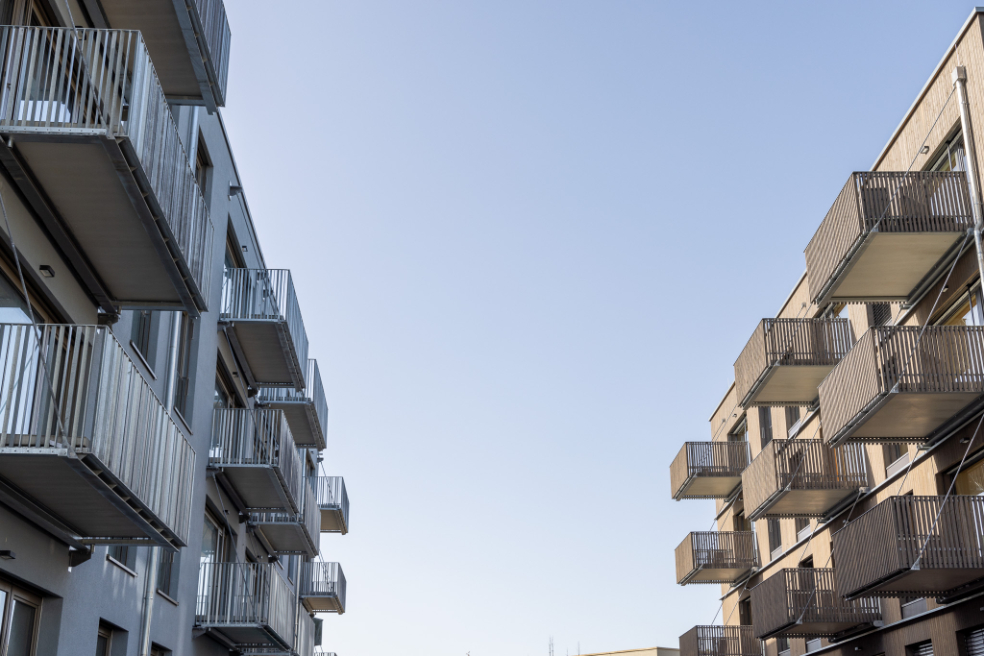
(212, 588)
(20, 614)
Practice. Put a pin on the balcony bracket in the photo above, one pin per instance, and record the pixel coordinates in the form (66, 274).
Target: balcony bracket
(843, 505)
(237, 350)
(78, 556)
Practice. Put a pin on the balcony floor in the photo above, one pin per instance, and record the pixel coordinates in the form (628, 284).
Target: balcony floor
(790, 385)
(321, 604)
(248, 634)
(804, 503)
(702, 486)
(301, 419)
(333, 521)
(265, 345)
(259, 487)
(715, 575)
(891, 264)
(912, 416)
(288, 538)
(925, 582)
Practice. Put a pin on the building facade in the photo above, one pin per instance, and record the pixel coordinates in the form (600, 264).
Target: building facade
(847, 459)
(162, 417)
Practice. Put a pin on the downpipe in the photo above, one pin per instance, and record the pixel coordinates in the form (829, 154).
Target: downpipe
(970, 156)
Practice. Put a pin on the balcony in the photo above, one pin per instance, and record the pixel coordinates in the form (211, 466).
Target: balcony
(895, 387)
(708, 470)
(86, 443)
(785, 360)
(856, 255)
(246, 605)
(893, 534)
(256, 454)
(189, 42)
(334, 504)
(802, 478)
(307, 411)
(720, 641)
(263, 321)
(292, 533)
(804, 603)
(716, 557)
(90, 143)
(323, 588)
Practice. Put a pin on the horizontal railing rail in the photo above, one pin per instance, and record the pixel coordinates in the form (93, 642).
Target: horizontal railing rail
(74, 388)
(784, 342)
(802, 464)
(707, 459)
(218, 38)
(915, 201)
(313, 393)
(245, 594)
(807, 596)
(906, 359)
(715, 550)
(251, 437)
(719, 640)
(323, 580)
(900, 531)
(103, 82)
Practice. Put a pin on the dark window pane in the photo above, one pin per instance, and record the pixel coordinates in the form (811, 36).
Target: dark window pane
(102, 646)
(21, 629)
(765, 426)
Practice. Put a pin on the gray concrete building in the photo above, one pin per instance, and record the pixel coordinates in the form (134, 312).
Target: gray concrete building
(162, 417)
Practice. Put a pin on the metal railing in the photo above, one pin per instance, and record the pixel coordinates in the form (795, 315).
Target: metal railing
(218, 38)
(245, 594)
(784, 342)
(806, 596)
(801, 464)
(74, 388)
(266, 295)
(891, 359)
(332, 495)
(697, 459)
(887, 540)
(918, 201)
(313, 393)
(309, 517)
(304, 646)
(720, 641)
(324, 580)
(103, 82)
(715, 550)
(245, 437)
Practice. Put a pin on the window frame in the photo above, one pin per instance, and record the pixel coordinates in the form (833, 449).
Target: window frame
(14, 595)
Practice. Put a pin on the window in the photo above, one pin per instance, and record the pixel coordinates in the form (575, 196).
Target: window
(782, 645)
(966, 311)
(166, 571)
(740, 432)
(911, 607)
(122, 554)
(141, 335)
(975, 643)
(921, 649)
(802, 528)
(896, 458)
(741, 522)
(881, 314)
(775, 538)
(19, 615)
(745, 612)
(292, 568)
(182, 384)
(971, 480)
(225, 392)
(813, 645)
(203, 166)
(765, 426)
(952, 157)
(792, 419)
(104, 643)
(807, 563)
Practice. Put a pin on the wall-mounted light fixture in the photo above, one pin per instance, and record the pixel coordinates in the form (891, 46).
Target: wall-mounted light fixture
(47, 271)
(7, 554)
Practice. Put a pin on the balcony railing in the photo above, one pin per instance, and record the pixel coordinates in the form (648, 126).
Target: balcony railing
(879, 552)
(255, 451)
(265, 326)
(720, 641)
(307, 411)
(786, 359)
(804, 603)
(66, 91)
(895, 386)
(334, 503)
(802, 478)
(83, 434)
(292, 533)
(708, 470)
(211, 16)
(716, 557)
(323, 587)
(305, 636)
(250, 604)
(885, 233)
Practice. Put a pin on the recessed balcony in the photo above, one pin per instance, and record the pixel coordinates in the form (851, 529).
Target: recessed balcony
(89, 141)
(708, 470)
(246, 604)
(720, 641)
(885, 234)
(716, 557)
(85, 442)
(895, 550)
(189, 42)
(307, 411)
(254, 451)
(899, 384)
(785, 360)
(292, 533)
(323, 588)
(802, 478)
(262, 320)
(804, 603)
(334, 503)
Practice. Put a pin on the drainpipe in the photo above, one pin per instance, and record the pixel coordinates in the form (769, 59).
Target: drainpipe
(970, 155)
(154, 555)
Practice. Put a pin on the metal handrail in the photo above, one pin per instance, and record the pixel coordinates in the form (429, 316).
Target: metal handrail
(332, 495)
(103, 82)
(251, 437)
(324, 580)
(218, 37)
(313, 393)
(245, 594)
(74, 389)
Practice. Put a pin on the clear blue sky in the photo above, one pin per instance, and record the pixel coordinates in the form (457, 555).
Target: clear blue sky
(530, 238)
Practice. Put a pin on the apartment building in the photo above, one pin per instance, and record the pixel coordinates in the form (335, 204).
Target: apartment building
(163, 488)
(847, 459)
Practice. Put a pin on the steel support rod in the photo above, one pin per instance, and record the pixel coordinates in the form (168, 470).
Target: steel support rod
(970, 157)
